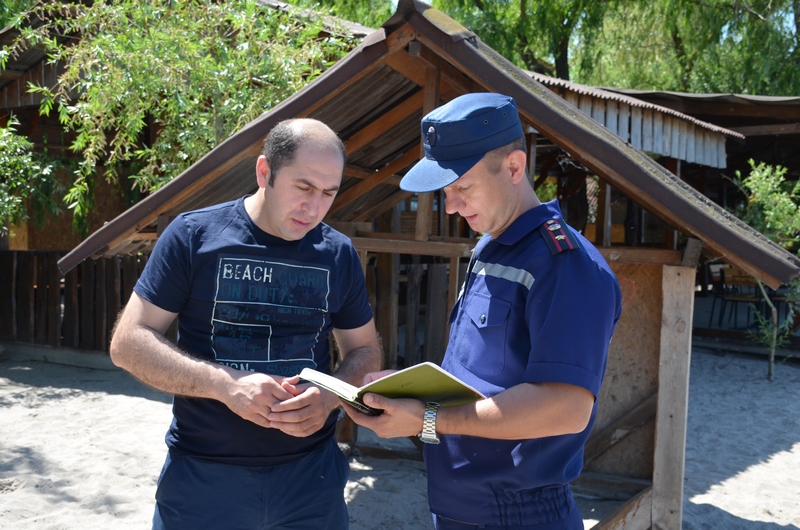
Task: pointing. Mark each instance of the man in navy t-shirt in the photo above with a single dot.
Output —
(257, 285)
(530, 330)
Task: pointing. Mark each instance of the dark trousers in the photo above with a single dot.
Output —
(573, 521)
(307, 494)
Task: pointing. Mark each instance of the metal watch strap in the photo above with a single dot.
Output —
(428, 434)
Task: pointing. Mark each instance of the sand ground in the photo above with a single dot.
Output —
(81, 448)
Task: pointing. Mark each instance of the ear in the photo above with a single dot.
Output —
(262, 171)
(517, 162)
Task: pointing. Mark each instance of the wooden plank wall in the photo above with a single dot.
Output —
(631, 374)
(40, 306)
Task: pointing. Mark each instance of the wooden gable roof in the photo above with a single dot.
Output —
(374, 99)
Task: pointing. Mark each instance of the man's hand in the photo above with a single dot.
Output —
(401, 417)
(253, 395)
(305, 412)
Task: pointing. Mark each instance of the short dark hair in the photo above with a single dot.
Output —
(282, 142)
(495, 157)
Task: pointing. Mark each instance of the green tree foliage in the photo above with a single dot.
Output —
(773, 208)
(150, 87)
(773, 204)
(10, 9)
(534, 34)
(25, 177)
(704, 46)
(370, 13)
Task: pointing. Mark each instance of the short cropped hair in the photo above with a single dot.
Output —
(283, 141)
(494, 158)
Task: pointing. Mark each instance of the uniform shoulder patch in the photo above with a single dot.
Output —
(557, 236)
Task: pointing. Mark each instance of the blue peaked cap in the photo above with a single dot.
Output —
(457, 135)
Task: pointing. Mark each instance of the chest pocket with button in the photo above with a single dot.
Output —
(482, 345)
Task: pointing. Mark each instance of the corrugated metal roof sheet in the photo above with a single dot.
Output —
(623, 97)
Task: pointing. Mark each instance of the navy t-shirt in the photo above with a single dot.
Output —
(254, 302)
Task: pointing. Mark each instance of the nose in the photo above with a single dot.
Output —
(312, 204)
(451, 202)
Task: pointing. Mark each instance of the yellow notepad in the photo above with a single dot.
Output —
(425, 382)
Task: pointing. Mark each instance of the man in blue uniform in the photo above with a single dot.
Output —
(257, 286)
(530, 330)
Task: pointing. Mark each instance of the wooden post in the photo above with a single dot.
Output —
(25, 302)
(129, 277)
(53, 300)
(86, 317)
(8, 262)
(387, 311)
(673, 395)
(40, 299)
(113, 294)
(414, 274)
(70, 325)
(425, 200)
(436, 313)
(453, 287)
(100, 302)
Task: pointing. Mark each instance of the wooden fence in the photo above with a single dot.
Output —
(39, 305)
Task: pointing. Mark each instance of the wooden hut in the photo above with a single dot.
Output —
(374, 99)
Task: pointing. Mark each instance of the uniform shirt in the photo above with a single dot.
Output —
(526, 314)
(254, 302)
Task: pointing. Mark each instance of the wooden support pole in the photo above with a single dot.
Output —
(673, 395)
(8, 289)
(388, 287)
(436, 313)
(425, 200)
(40, 304)
(53, 301)
(414, 274)
(453, 287)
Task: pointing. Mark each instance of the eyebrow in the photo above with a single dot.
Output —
(312, 185)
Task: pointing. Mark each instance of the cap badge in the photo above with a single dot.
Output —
(430, 136)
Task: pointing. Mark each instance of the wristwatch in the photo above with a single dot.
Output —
(428, 434)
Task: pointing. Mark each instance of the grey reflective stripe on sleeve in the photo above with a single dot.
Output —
(511, 274)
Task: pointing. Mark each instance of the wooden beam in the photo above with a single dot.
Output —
(641, 255)
(420, 248)
(634, 515)
(387, 203)
(410, 237)
(10, 74)
(619, 429)
(691, 254)
(606, 486)
(388, 121)
(673, 395)
(397, 40)
(361, 173)
(768, 130)
(379, 177)
(449, 73)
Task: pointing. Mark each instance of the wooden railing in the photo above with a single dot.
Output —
(39, 305)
